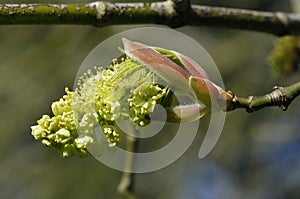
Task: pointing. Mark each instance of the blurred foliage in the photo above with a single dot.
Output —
(284, 58)
(257, 155)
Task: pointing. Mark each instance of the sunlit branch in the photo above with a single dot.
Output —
(280, 96)
(173, 13)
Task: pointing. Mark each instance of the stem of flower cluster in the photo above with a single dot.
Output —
(126, 185)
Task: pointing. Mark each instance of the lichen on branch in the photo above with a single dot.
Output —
(173, 13)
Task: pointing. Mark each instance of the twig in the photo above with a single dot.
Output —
(281, 96)
(173, 13)
(126, 185)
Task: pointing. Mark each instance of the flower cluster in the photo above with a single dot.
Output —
(99, 100)
(143, 102)
(128, 89)
(60, 131)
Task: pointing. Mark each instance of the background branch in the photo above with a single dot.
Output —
(173, 13)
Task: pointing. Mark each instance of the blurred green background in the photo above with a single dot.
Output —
(257, 156)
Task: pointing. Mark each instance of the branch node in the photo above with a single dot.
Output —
(100, 7)
(250, 108)
(283, 18)
(278, 97)
(182, 6)
(181, 15)
(232, 103)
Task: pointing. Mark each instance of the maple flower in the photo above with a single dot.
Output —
(129, 88)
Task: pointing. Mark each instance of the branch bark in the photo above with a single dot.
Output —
(173, 13)
(281, 96)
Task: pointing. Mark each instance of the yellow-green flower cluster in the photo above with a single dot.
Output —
(109, 94)
(143, 102)
(125, 89)
(60, 131)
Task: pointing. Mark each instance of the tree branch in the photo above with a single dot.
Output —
(277, 23)
(281, 96)
(173, 13)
